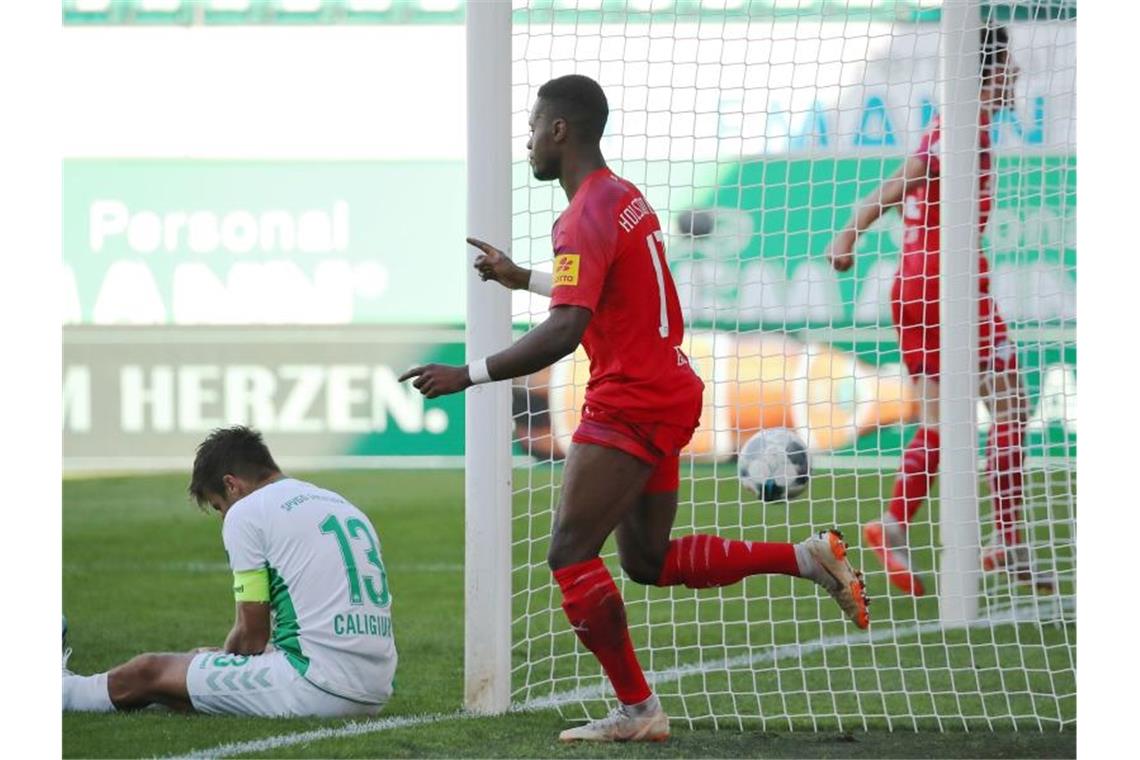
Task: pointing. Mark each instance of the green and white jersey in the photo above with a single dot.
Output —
(328, 589)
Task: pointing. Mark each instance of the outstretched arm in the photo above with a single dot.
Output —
(888, 195)
(559, 335)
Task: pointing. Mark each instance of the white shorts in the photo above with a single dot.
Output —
(264, 685)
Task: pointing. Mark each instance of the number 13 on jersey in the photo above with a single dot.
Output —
(356, 528)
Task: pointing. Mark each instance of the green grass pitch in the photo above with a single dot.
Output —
(144, 571)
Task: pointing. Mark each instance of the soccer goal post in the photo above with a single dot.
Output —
(756, 129)
(487, 487)
(959, 568)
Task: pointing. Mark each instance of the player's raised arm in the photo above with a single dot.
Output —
(840, 252)
(559, 335)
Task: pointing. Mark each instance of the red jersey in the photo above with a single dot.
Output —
(921, 204)
(609, 257)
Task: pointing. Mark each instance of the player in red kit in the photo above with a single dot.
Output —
(915, 312)
(611, 291)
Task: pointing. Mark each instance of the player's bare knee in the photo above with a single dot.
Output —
(571, 543)
(642, 569)
(566, 554)
(132, 682)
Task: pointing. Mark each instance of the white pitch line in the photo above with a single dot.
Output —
(1002, 616)
(318, 734)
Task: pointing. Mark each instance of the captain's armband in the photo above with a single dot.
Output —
(251, 585)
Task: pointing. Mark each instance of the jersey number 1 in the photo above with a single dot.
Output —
(656, 243)
(355, 528)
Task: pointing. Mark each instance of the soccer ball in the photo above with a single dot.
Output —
(774, 465)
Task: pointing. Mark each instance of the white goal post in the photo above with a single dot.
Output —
(959, 577)
(754, 127)
(487, 568)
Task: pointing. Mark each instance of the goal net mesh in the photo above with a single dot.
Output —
(754, 128)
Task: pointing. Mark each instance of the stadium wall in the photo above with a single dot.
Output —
(277, 228)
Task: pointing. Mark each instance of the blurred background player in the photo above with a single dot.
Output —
(611, 291)
(915, 312)
(313, 631)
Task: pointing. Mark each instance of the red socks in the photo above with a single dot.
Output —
(596, 612)
(704, 561)
(1005, 462)
(916, 474)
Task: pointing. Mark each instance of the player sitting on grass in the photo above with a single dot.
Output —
(313, 634)
(611, 291)
(915, 311)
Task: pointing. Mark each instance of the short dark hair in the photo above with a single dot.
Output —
(581, 101)
(236, 450)
(995, 47)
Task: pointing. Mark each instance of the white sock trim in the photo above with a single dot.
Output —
(805, 563)
(87, 694)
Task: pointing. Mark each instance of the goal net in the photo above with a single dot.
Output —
(754, 128)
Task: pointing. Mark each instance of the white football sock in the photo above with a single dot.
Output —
(805, 562)
(87, 694)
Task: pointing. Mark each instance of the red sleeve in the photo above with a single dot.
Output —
(584, 250)
(930, 148)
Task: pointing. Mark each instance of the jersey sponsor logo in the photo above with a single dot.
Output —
(566, 269)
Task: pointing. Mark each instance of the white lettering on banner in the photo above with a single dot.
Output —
(249, 393)
(135, 395)
(273, 292)
(105, 218)
(77, 399)
(358, 398)
(197, 392)
(129, 295)
(401, 400)
(239, 231)
(299, 400)
(341, 396)
(144, 232)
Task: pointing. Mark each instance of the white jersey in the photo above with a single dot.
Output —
(328, 590)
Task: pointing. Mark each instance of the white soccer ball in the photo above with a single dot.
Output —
(774, 465)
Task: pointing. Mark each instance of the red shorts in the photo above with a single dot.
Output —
(915, 311)
(656, 443)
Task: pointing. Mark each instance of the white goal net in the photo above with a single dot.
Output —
(754, 129)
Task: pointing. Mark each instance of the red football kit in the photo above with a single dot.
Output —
(643, 396)
(914, 296)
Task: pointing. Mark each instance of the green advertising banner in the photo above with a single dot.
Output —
(176, 272)
(191, 242)
(750, 253)
(144, 397)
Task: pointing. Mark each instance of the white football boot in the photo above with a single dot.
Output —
(823, 559)
(645, 722)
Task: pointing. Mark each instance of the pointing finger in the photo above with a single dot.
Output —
(413, 372)
(485, 247)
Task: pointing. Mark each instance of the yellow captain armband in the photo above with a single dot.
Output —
(251, 585)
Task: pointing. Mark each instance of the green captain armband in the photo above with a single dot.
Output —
(251, 585)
